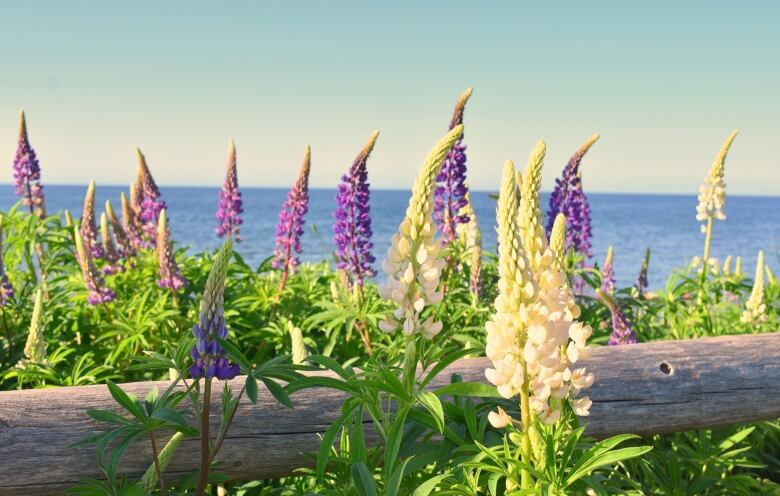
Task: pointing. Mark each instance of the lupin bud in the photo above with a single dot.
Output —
(35, 348)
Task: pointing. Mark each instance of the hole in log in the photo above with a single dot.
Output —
(666, 368)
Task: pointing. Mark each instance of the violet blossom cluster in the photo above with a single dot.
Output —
(289, 228)
(451, 188)
(125, 247)
(608, 274)
(170, 276)
(209, 359)
(352, 228)
(131, 223)
(27, 173)
(88, 228)
(230, 204)
(569, 199)
(6, 289)
(148, 204)
(641, 280)
(98, 291)
(622, 332)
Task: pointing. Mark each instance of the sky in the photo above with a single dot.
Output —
(664, 83)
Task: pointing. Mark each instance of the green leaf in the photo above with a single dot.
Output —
(608, 458)
(394, 484)
(363, 481)
(431, 403)
(426, 487)
(107, 416)
(327, 439)
(475, 389)
(235, 355)
(394, 437)
(126, 401)
(251, 388)
(331, 364)
(278, 392)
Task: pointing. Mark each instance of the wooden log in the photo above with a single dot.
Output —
(658, 387)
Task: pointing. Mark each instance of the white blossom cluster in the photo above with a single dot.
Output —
(532, 339)
(755, 308)
(712, 194)
(412, 266)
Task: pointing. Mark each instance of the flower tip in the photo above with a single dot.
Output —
(22, 124)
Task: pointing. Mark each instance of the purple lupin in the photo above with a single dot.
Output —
(125, 247)
(131, 223)
(150, 205)
(88, 228)
(98, 292)
(608, 274)
(169, 275)
(230, 204)
(352, 227)
(569, 199)
(622, 333)
(289, 229)
(6, 289)
(451, 189)
(27, 173)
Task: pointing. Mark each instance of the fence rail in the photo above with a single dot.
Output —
(659, 387)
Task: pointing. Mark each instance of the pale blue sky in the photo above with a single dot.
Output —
(663, 82)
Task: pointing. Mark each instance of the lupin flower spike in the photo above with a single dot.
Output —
(608, 273)
(35, 348)
(27, 173)
(451, 188)
(289, 229)
(131, 223)
(558, 241)
(755, 308)
(528, 337)
(727, 266)
(412, 267)
(299, 352)
(738, 267)
(568, 198)
(622, 333)
(230, 204)
(470, 237)
(150, 203)
(88, 227)
(98, 292)
(641, 280)
(209, 359)
(110, 253)
(170, 277)
(68, 218)
(352, 227)
(126, 248)
(712, 194)
(6, 290)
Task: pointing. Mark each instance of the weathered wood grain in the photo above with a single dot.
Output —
(648, 388)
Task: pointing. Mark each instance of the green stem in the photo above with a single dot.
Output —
(410, 363)
(204, 440)
(157, 468)
(525, 419)
(707, 241)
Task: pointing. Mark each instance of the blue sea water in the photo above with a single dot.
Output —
(628, 222)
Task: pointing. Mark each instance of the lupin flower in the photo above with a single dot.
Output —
(412, 267)
(299, 352)
(110, 253)
(35, 347)
(727, 266)
(27, 173)
(131, 223)
(622, 333)
(608, 274)
(98, 292)
(230, 204)
(170, 277)
(125, 245)
(532, 338)
(470, 237)
(641, 280)
(755, 308)
(712, 194)
(352, 227)
(150, 203)
(451, 188)
(6, 290)
(738, 267)
(88, 227)
(289, 229)
(68, 218)
(558, 240)
(209, 359)
(568, 198)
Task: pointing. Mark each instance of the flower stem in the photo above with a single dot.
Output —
(707, 241)
(525, 418)
(157, 464)
(204, 440)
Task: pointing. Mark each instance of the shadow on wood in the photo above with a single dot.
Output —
(658, 387)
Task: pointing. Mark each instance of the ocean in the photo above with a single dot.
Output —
(628, 222)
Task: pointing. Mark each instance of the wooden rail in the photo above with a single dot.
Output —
(657, 387)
